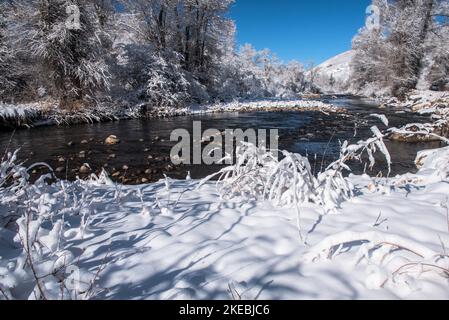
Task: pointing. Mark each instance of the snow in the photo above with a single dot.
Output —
(338, 66)
(19, 112)
(183, 240)
(272, 105)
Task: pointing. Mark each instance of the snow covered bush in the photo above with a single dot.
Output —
(36, 222)
(258, 174)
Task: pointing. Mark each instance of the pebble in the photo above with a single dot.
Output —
(84, 169)
(112, 140)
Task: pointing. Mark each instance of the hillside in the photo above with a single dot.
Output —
(333, 74)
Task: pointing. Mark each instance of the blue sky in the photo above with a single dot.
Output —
(304, 30)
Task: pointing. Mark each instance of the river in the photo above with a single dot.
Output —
(143, 154)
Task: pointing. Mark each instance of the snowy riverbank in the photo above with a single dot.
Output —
(35, 114)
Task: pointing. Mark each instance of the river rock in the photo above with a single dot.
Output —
(61, 159)
(412, 138)
(85, 169)
(144, 180)
(116, 174)
(112, 156)
(84, 142)
(420, 106)
(125, 167)
(112, 140)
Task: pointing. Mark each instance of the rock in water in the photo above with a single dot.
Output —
(112, 140)
(85, 169)
(59, 169)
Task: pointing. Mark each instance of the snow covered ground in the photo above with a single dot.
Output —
(272, 105)
(333, 74)
(420, 101)
(180, 240)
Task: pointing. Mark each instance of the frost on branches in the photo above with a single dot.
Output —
(404, 52)
(34, 219)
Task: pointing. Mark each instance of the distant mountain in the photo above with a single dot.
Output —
(333, 74)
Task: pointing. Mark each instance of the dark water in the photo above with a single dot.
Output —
(145, 147)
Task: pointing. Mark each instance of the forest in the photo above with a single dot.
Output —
(183, 52)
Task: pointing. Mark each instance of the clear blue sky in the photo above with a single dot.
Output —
(304, 30)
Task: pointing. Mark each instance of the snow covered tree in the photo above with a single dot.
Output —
(63, 39)
(292, 79)
(437, 72)
(6, 57)
(186, 40)
(167, 84)
(391, 57)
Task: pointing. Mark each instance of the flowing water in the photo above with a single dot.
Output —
(145, 143)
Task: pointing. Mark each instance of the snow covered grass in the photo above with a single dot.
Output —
(258, 174)
(19, 114)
